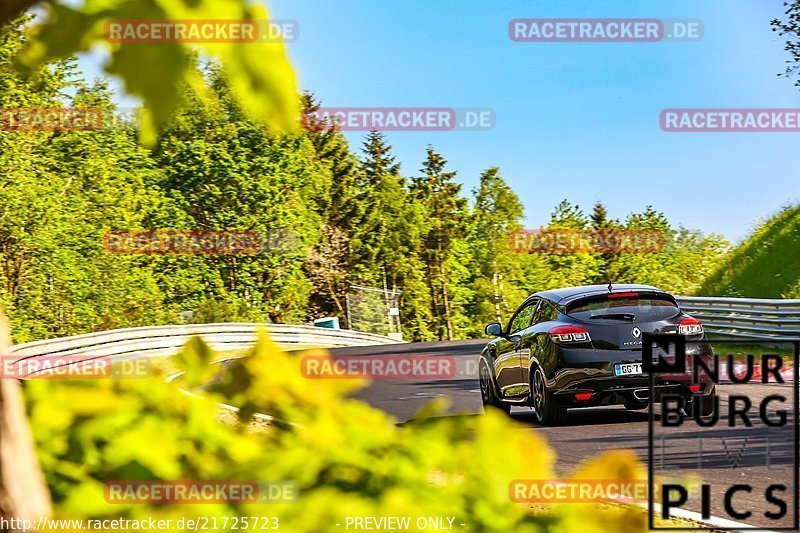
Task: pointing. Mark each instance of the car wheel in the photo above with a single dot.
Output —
(547, 411)
(488, 395)
(706, 404)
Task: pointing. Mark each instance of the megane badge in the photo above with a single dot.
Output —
(636, 332)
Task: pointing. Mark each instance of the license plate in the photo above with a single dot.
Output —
(629, 369)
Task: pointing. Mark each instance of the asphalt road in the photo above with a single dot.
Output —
(721, 455)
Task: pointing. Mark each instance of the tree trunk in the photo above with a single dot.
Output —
(23, 494)
(496, 298)
(506, 307)
(434, 300)
(336, 301)
(448, 320)
(387, 303)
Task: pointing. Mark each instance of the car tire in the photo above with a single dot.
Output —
(488, 391)
(706, 404)
(545, 408)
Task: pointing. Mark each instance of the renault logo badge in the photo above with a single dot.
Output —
(636, 332)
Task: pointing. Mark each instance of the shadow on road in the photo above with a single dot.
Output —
(587, 417)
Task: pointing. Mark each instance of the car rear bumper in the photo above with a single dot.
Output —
(592, 371)
(612, 391)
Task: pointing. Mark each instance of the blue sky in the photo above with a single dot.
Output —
(574, 120)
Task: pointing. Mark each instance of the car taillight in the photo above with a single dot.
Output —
(622, 295)
(690, 326)
(566, 334)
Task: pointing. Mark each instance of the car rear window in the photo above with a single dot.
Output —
(644, 309)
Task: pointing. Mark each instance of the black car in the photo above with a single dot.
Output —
(582, 347)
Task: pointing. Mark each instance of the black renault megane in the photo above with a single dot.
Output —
(582, 347)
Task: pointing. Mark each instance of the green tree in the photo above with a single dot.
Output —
(495, 267)
(226, 172)
(341, 209)
(602, 224)
(571, 266)
(390, 237)
(444, 212)
(568, 216)
(61, 191)
(685, 260)
(342, 212)
(262, 79)
(599, 217)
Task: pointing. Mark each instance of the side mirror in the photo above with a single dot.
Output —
(494, 329)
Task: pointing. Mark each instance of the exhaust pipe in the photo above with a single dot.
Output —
(641, 394)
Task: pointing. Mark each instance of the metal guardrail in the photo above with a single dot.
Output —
(168, 340)
(745, 318)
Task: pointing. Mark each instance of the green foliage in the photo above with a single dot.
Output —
(494, 266)
(687, 257)
(764, 265)
(599, 217)
(570, 268)
(345, 457)
(262, 80)
(333, 256)
(60, 192)
(444, 224)
(225, 172)
(388, 242)
(789, 28)
(568, 216)
(328, 218)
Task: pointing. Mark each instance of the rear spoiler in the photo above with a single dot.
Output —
(602, 296)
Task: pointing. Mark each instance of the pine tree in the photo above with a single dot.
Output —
(389, 238)
(599, 217)
(495, 266)
(444, 215)
(600, 222)
(571, 266)
(378, 160)
(383, 236)
(568, 216)
(342, 212)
